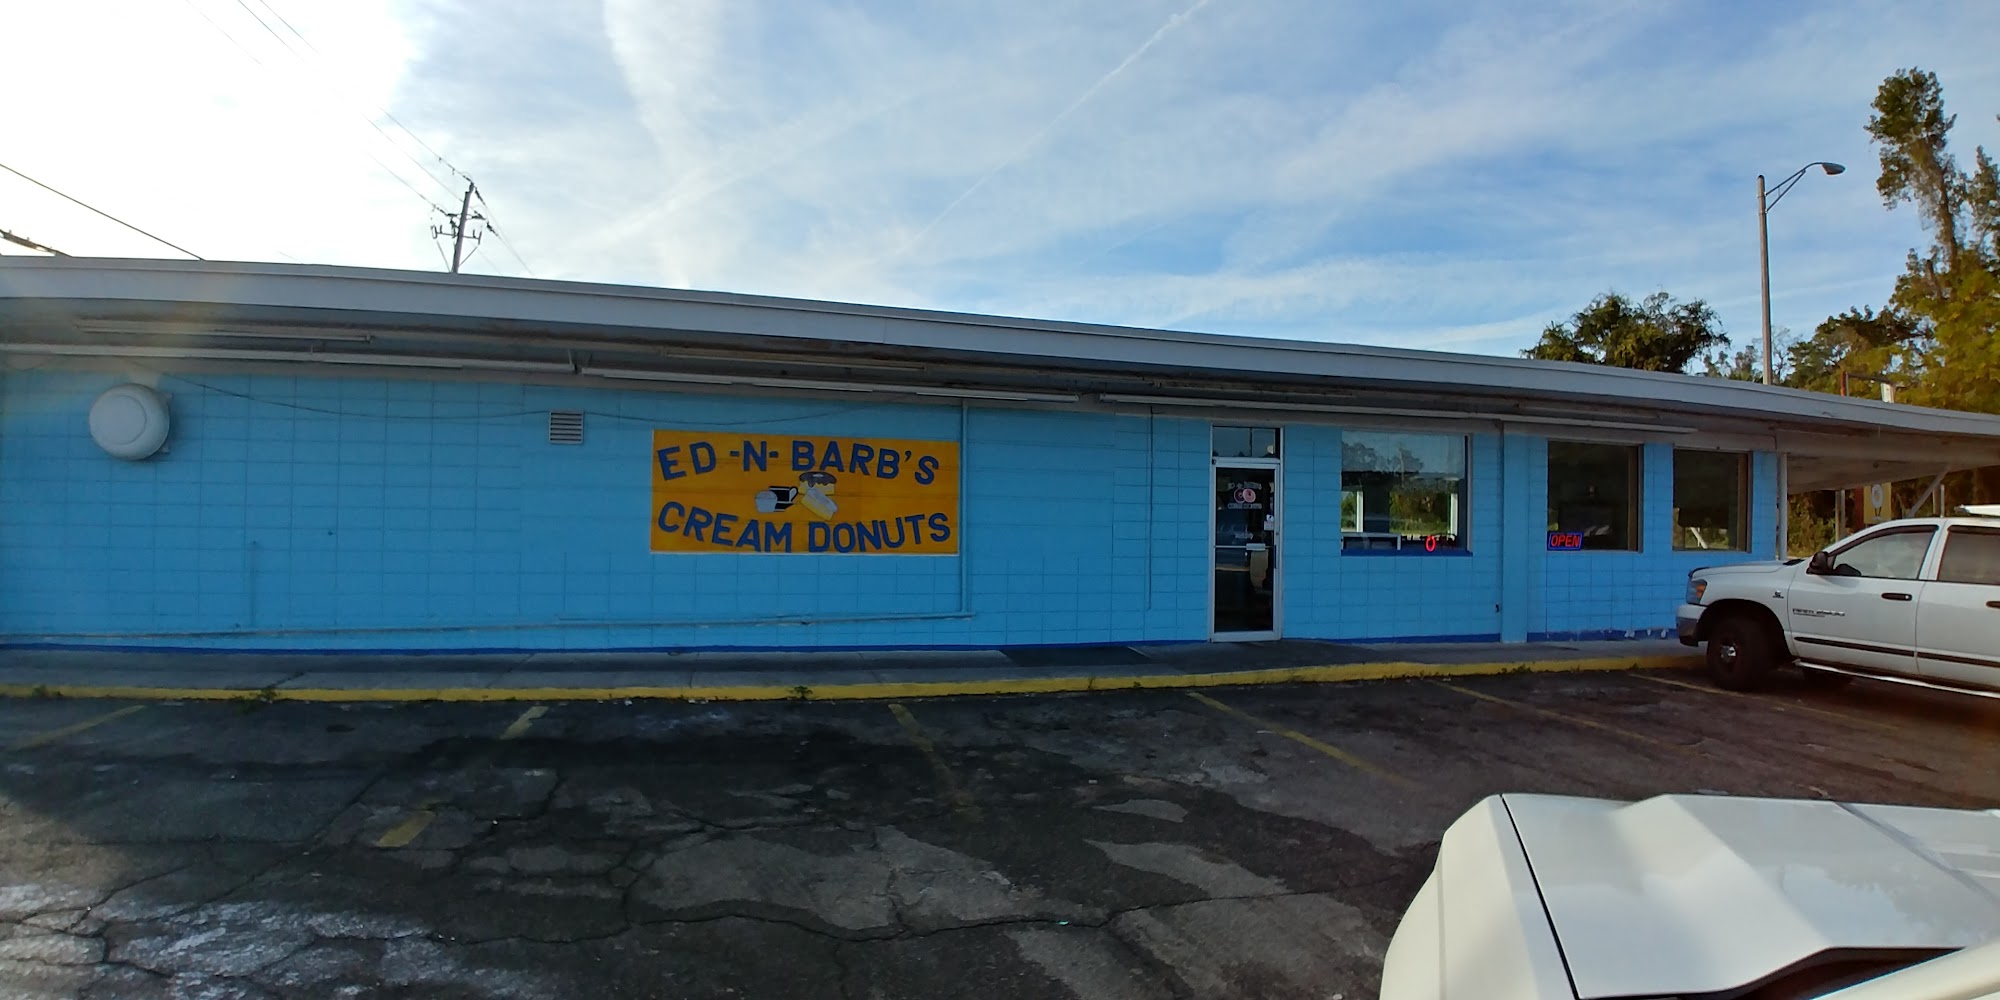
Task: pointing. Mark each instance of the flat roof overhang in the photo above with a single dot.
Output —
(176, 315)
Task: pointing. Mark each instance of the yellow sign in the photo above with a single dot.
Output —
(1875, 504)
(728, 492)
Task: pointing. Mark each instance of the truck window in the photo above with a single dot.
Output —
(1897, 555)
(1971, 555)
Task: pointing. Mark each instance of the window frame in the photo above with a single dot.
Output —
(1277, 444)
(1953, 531)
(1740, 531)
(1408, 545)
(1635, 488)
(1924, 565)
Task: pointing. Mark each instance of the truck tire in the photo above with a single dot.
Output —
(1740, 653)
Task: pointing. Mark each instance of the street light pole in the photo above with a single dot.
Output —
(1764, 265)
(1764, 206)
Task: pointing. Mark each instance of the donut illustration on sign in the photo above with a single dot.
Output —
(815, 492)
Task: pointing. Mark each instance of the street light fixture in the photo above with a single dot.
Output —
(1764, 206)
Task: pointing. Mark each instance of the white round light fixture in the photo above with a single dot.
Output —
(129, 422)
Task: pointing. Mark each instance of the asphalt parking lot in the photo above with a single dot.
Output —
(1256, 842)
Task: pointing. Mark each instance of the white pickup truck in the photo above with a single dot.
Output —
(1916, 601)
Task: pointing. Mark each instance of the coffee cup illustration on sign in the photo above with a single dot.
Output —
(815, 492)
(775, 499)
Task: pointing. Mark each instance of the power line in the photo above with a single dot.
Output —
(372, 123)
(505, 243)
(385, 112)
(461, 221)
(252, 56)
(508, 245)
(101, 212)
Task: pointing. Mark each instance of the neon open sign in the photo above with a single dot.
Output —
(1565, 541)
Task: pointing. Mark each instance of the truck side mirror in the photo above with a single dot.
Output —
(1821, 563)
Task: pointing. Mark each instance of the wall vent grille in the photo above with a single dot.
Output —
(565, 427)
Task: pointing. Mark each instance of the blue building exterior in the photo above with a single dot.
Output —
(361, 460)
(322, 511)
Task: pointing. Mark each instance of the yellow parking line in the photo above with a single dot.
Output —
(44, 739)
(1604, 727)
(402, 833)
(520, 726)
(1297, 737)
(961, 803)
(1786, 705)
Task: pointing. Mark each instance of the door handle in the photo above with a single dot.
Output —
(1895, 596)
(1995, 605)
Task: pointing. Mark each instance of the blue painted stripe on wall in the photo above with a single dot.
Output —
(668, 650)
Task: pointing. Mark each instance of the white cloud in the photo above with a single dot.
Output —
(1446, 174)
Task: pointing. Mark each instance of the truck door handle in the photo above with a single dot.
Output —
(1895, 596)
(1995, 605)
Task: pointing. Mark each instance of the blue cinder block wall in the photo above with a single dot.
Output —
(1594, 595)
(317, 513)
(336, 513)
(1335, 594)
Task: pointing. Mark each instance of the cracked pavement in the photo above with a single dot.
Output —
(1127, 845)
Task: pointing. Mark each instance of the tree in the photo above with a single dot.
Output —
(1654, 334)
(1910, 125)
(1858, 341)
(1742, 365)
(1952, 290)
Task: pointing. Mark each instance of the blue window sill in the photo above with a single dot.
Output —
(1410, 553)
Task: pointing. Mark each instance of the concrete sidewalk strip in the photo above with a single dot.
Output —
(389, 680)
(780, 677)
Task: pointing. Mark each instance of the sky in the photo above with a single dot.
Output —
(1450, 175)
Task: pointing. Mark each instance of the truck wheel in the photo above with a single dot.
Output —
(1739, 653)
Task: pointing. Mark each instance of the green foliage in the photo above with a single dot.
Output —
(1951, 290)
(1961, 369)
(1810, 527)
(1742, 365)
(1859, 341)
(1910, 126)
(1653, 334)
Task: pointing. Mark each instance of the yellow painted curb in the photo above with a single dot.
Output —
(1324, 674)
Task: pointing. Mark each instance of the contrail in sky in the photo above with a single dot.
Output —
(1041, 133)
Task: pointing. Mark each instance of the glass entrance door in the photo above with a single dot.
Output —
(1246, 551)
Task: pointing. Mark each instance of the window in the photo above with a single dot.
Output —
(1896, 555)
(1246, 442)
(1971, 555)
(1402, 492)
(1594, 492)
(1709, 499)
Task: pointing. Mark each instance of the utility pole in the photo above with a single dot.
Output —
(1764, 269)
(1764, 206)
(460, 224)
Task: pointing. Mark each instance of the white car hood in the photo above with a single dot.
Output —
(1742, 567)
(1703, 894)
